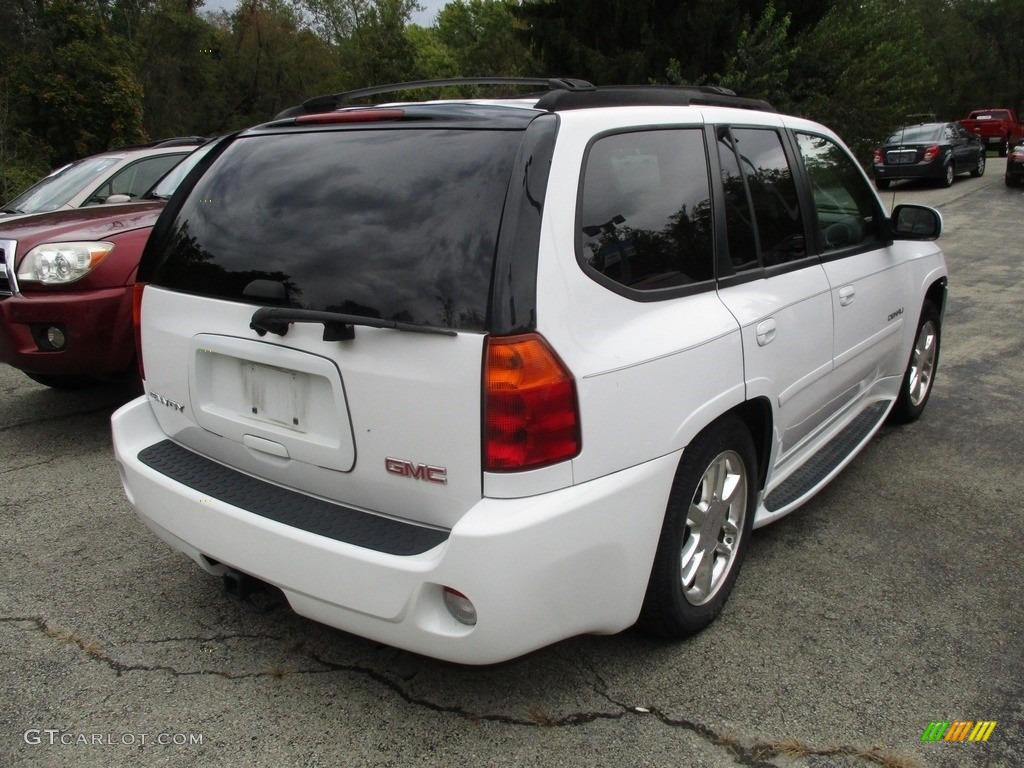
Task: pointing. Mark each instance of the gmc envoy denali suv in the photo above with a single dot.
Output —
(468, 377)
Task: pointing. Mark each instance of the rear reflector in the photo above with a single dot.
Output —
(137, 324)
(352, 116)
(460, 607)
(531, 416)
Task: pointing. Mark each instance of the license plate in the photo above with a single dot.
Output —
(275, 395)
(902, 157)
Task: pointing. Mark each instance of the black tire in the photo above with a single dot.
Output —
(882, 183)
(979, 167)
(1004, 147)
(66, 382)
(948, 174)
(671, 609)
(919, 377)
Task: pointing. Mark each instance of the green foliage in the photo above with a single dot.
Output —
(860, 71)
(76, 84)
(760, 64)
(268, 61)
(81, 76)
(432, 59)
(378, 50)
(22, 159)
(177, 58)
(483, 37)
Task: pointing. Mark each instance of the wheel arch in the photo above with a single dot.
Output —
(936, 294)
(756, 416)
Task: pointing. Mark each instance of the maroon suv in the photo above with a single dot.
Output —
(66, 281)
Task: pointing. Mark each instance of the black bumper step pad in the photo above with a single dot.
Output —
(352, 526)
(827, 459)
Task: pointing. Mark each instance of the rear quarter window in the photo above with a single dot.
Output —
(645, 222)
(394, 224)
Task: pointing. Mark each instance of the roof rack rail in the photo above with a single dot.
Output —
(332, 101)
(182, 141)
(175, 141)
(649, 95)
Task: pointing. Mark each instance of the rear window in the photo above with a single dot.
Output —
(916, 133)
(395, 224)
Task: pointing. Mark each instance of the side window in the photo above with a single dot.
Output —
(848, 214)
(136, 179)
(739, 218)
(771, 190)
(644, 220)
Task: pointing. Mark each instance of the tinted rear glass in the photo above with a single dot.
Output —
(395, 224)
(914, 133)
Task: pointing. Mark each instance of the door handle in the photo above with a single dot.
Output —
(765, 332)
(846, 295)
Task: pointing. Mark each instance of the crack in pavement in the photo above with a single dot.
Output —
(33, 464)
(109, 409)
(750, 755)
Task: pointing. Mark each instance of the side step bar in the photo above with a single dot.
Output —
(825, 461)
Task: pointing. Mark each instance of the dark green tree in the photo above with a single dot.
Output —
(483, 36)
(179, 56)
(860, 71)
(269, 60)
(620, 41)
(378, 50)
(996, 68)
(75, 83)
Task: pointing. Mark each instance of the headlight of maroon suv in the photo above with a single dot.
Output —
(62, 263)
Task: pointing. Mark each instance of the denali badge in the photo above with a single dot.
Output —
(169, 403)
(405, 468)
(895, 314)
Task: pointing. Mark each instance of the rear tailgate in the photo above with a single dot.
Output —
(378, 422)
(378, 224)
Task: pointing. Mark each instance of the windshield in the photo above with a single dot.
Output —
(915, 133)
(58, 188)
(164, 188)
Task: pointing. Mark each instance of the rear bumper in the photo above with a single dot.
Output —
(538, 569)
(97, 326)
(931, 170)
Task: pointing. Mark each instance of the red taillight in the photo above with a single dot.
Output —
(931, 153)
(879, 159)
(137, 323)
(531, 417)
(1017, 156)
(352, 116)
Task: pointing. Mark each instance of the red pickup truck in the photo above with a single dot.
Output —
(997, 127)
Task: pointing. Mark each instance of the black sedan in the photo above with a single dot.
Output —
(936, 151)
(1015, 167)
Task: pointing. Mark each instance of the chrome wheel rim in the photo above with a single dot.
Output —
(981, 164)
(949, 174)
(922, 363)
(714, 524)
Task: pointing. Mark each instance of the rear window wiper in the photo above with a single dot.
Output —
(337, 326)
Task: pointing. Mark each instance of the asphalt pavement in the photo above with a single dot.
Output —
(891, 601)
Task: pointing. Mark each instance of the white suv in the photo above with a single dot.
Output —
(470, 377)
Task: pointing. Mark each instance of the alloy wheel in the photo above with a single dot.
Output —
(713, 527)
